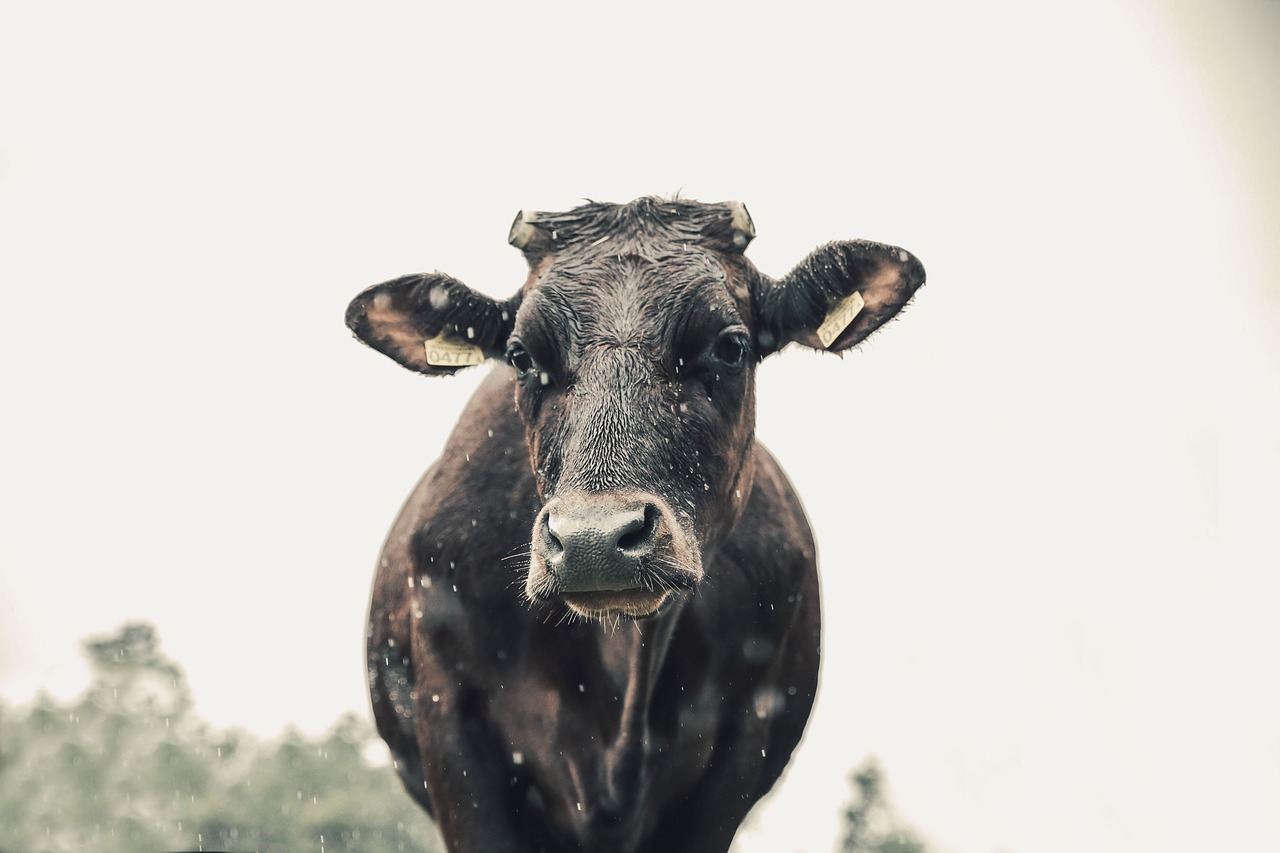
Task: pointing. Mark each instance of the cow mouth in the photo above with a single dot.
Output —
(628, 603)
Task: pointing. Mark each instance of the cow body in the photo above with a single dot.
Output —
(595, 625)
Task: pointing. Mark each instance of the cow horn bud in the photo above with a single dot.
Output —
(744, 230)
(523, 231)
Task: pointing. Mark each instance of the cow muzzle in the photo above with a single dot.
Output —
(610, 554)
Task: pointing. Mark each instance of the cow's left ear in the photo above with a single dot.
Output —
(433, 324)
(837, 296)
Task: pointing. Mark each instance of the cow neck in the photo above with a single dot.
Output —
(634, 658)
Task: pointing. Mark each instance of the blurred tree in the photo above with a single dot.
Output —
(871, 825)
(128, 767)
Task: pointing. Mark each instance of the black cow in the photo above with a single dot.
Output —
(595, 625)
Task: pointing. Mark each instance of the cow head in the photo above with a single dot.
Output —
(634, 343)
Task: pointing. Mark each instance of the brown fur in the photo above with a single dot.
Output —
(595, 625)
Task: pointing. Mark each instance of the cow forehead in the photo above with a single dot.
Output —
(646, 225)
(620, 297)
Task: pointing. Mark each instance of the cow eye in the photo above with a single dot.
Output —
(519, 358)
(730, 350)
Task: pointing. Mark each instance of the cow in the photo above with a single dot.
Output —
(595, 624)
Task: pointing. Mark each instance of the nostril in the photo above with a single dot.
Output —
(552, 542)
(637, 534)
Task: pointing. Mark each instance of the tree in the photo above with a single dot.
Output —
(127, 766)
(871, 824)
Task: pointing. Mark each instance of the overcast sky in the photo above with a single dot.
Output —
(1046, 499)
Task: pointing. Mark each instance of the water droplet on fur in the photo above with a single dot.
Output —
(438, 296)
(769, 702)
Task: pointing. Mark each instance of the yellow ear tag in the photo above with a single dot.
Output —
(839, 317)
(446, 351)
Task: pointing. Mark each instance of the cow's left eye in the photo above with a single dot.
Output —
(519, 358)
(731, 350)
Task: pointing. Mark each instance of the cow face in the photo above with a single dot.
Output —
(634, 342)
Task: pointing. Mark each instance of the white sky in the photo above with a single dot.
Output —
(1046, 500)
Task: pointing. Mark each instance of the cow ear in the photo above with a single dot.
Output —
(837, 296)
(432, 323)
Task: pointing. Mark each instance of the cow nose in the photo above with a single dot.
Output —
(598, 545)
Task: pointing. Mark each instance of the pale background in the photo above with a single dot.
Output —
(1046, 499)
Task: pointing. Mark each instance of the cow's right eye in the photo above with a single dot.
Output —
(518, 357)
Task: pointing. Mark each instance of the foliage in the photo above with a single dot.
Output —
(127, 766)
(871, 825)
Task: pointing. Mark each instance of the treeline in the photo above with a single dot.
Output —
(128, 767)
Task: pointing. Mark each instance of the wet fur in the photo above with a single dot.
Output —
(519, 723)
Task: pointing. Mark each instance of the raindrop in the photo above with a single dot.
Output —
(582, 688)
(544, 378)
(517, 757)
(490, 433)
(758, 649)
(471, 332)
(435, 697)
(438, 296)
(769, 702)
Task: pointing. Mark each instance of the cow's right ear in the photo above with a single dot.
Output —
(433, 324)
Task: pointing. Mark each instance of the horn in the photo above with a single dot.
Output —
(744, 230)
(523, 231)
